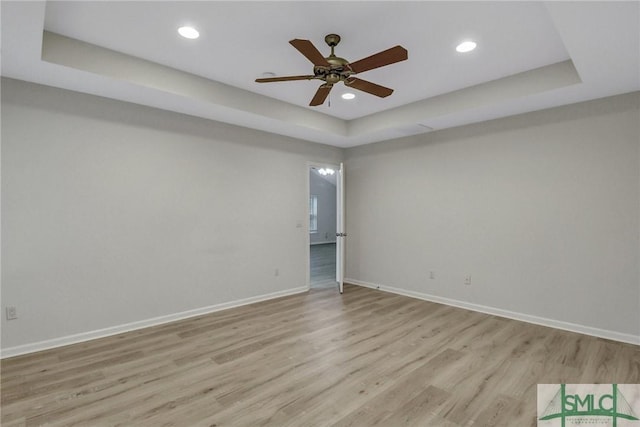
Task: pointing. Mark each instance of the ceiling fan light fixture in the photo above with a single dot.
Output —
(348, 95)
(466, 46)
(188, 32)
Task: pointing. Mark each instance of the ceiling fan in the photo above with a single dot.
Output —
(334, 69)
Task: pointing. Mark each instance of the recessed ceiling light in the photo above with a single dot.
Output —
(188, 32)
(467, 46)
(348, 95)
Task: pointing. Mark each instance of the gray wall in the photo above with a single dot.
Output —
(541, 210)
(115, 213)
(326, 192)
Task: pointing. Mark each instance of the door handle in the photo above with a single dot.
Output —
(341, 234)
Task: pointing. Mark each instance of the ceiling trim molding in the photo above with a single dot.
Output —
(68, 52)
(406, 120)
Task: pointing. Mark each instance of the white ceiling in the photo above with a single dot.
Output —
(530, 55)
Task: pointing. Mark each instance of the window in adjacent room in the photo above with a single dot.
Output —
(313, 214)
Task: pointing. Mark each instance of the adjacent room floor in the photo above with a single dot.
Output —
(323, 265)
(313, 359)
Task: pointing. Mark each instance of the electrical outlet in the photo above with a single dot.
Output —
(11, 313)
(467, 280)
(276, 272)
(432, 275)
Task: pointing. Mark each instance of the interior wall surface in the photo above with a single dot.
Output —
(538, 212)
(115, 213)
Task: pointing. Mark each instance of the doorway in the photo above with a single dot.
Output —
(323, 180)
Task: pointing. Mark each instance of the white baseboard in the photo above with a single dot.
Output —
(113, 330)
(321, 243)
(557, 324)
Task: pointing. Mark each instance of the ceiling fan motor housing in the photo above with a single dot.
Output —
(338, 70)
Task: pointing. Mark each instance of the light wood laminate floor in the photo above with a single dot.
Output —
(364, 358)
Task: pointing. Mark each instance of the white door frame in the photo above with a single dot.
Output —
(341, 233)
(317, 165)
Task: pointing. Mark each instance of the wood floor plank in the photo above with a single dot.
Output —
(363, 358)
(419, 410)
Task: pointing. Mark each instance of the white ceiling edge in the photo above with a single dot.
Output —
(517, 86)
(400, 121)
(606, 61)
(95, 60)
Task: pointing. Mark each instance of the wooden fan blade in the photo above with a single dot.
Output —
(368, 87)
(380, 59)
(284, 79)
(321, 95)
(307, 48)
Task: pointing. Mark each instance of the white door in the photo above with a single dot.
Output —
(340, 228)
